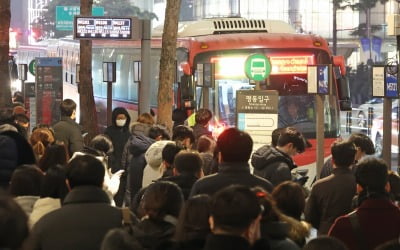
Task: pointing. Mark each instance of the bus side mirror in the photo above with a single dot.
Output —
(344, 94)
(339, 62)
(187, 92)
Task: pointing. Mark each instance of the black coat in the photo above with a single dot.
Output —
(14, 151)
(229, 174)
(272, 164)
(81, 223)
(135, 163)
(184, 181)
(152, 233)
(119, 136)
(224, 241)
(69, 132)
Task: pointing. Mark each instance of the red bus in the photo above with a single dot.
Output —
(226, 43)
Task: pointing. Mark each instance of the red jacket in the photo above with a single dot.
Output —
(379, 221)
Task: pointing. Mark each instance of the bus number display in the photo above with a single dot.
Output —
(119, 28)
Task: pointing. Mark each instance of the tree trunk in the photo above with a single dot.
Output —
(167, 63)
(87, 105)
(5, 86)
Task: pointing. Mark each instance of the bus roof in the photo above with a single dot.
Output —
(226, 26)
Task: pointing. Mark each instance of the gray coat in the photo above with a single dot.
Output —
(69, 132)
(330, 198)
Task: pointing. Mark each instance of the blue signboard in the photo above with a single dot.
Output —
(48, 61)
(391, 90)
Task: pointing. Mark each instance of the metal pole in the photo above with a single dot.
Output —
(370, 117)
(206, 97)
(387, 129)
(109, 103)
(320, 133)
(144, 85)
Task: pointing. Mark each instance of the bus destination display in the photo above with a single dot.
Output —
(103, 28)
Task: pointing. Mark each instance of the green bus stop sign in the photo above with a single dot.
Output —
(32, 67)
(257, 67)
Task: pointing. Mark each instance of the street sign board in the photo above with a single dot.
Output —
(117, 28)
(65, 16)
(257, 67)
(257, 114)
(49, 89)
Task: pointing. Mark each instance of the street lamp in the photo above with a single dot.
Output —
(22, 75)
(109, 76)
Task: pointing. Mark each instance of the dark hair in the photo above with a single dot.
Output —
(372, 175)
(53, 184)
(119, 239)
(26, 180)
(234, 208)
(203, 116)
(6, 115)
(21, 118)
(169, 151)
(162, 198)
(85, 170)
(291, 135)
(178, 116)
(67, 107)
(343, 153)
(193, 219)
(54, 154)
(325, 243)
(275, 136)
(394, 181)
(102, 143)
(205, 143)
(188, 162)
(363, 142)
(290, 198)
(235, 145)
(158, 130)
(14, 228)
(18, 97)
(182, 132)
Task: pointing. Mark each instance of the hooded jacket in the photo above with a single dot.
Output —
(136, 147)
(119, 136)
(153, 157)
(272, 164)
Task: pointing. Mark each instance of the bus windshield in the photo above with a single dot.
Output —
(288, 76)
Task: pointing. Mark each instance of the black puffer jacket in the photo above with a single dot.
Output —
(119, 136)
(14, 151)
(272, 164)
(151, 233)
(135, 148)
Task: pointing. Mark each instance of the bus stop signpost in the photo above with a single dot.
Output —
(257, 114)
(319, 78)
(257, 68)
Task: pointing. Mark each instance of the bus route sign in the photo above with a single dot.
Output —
(257, 67)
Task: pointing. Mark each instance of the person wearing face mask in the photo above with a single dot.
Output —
(67, 130)
(119, 134)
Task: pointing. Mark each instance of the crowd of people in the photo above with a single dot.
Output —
(138, 187)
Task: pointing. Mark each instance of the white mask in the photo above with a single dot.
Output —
(120, 123)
